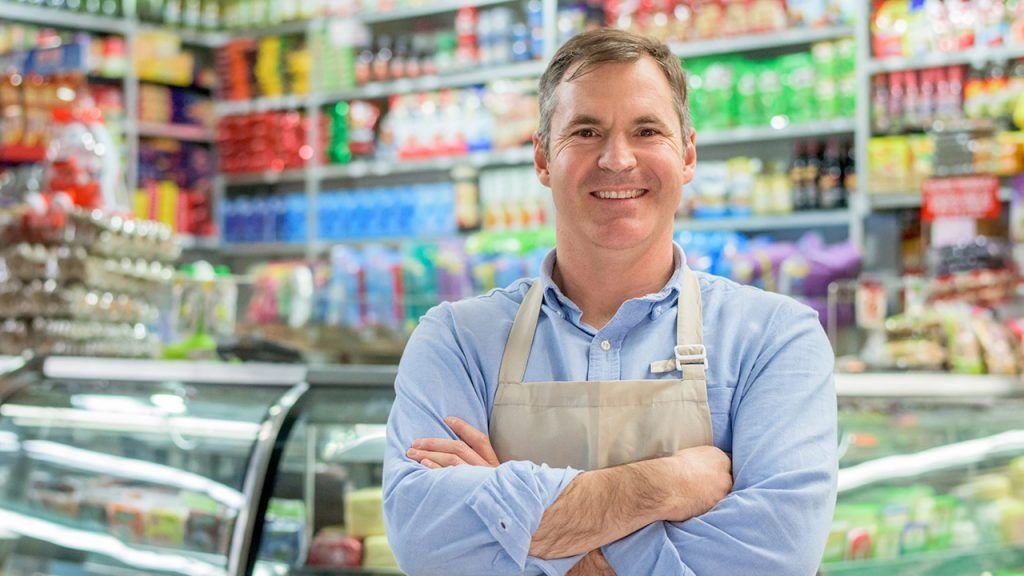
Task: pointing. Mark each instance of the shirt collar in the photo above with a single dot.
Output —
(554, 298)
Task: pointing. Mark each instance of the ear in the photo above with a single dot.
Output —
(690, 157)
(540, 161)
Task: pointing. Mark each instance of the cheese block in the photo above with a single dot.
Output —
(364, 513)
(377, 553)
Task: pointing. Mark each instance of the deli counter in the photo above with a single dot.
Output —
(147, 467)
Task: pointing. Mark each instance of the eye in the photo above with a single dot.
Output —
(646, 132)
(586, 133)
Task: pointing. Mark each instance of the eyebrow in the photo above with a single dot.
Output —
(588, 120)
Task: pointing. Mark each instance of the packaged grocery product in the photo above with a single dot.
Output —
(888, 22)
(206, 530)
(165, 525)
(332, 547)
(377, 553)
(1015, 470)
(364, 514)
(283, 531)
(126, 521)
(1012, 521)
(1000, 354)
(888, 164)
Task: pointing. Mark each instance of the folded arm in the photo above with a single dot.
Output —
(777, 517)
(513, 518)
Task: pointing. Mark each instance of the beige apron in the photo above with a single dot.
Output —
(596, 424)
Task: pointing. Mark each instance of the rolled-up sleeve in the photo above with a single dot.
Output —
(464, 519)
(777, 517)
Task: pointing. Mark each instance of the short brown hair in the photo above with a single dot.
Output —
(603, 46)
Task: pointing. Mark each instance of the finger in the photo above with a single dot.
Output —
(442, 458)
(430, 463)
(454, 447)
(476, 439)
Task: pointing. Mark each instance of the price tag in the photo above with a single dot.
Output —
(871, 306)
(960, 197)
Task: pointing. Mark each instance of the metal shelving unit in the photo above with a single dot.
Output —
(878, 202)
(760, 42)
(362, 168)
(28, 14)
(430, 9)
(979, 55)
(267, 177)
(794, 221)
(454, 79)
(767, 133)
(182, 132)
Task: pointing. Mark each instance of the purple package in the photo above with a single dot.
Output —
(838, 262)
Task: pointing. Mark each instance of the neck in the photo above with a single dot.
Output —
(600, 280)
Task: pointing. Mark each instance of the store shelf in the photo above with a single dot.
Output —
(767, 133)
(953, 456)
(758, 42)
(198, 38)
(199, 243)
(796, 220)
(266, 104)
(979, 55)
(927, 385)
(429, 9)
(283, 29)
(268, 177)
(532, 69)
(982, 559)
(363, 168)
(263, 249)
(140, 557)
(22, 154)
(879, 202)
(183, 132)
(16, 12)
(10, 364)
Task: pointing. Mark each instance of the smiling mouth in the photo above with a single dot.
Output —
(619, 194)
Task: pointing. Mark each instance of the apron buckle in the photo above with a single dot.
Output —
(689, 354)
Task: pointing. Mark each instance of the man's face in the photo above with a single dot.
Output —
(617, 165)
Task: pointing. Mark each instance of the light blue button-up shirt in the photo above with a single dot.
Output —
(773, 407)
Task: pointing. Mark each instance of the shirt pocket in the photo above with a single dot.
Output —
(720, 406)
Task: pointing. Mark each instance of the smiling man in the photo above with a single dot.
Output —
(619, 414)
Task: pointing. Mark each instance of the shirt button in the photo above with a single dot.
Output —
(606, 345)
(657, 310)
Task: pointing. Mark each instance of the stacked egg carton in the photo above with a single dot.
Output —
(81, 283)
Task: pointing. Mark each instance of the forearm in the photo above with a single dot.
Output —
(468, 519)
(600, 507)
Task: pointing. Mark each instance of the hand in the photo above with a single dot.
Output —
(593, 564)
(705, 476)
(473, 448)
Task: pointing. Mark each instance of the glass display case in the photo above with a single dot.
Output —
(931, 477)
(136, 467)
(114, 467)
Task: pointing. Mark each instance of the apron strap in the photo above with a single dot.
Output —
(691, 357)
(520, 339)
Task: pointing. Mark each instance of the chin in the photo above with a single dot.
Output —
(622, 236)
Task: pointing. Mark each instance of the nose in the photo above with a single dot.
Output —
(617, 155)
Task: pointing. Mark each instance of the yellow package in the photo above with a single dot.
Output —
(364, 513)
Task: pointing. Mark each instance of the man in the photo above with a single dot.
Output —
(583, 422)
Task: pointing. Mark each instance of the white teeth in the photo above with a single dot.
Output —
(619, 194)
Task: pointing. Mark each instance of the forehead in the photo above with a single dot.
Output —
(638, 87)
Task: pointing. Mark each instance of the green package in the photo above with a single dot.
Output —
(798, 82)
(769, 92)
(748, 110)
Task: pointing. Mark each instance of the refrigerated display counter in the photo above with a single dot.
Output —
(128, 467)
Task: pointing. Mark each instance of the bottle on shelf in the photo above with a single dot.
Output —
(831, 184)
(797, 171)
(811, 176)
